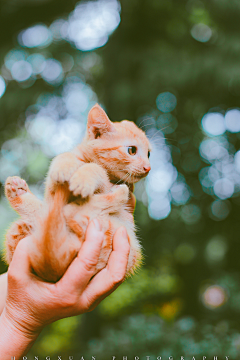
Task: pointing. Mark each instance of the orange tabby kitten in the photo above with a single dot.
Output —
(80, 187)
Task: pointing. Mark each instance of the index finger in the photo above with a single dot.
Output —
(20, 267)
(83, 266)
(108, 279)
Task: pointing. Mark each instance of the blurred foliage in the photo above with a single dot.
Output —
(173, 68)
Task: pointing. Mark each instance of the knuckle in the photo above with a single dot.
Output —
(118, 277)
(89, 265)
(13, 276)
(69, 301)
(88, 302)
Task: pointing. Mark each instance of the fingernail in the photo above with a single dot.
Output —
(97, 224)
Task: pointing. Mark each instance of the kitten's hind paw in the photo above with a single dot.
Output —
(14, 187)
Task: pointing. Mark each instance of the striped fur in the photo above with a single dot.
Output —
(80, 187)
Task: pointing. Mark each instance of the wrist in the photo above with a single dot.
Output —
(19, 324)
(15, 340)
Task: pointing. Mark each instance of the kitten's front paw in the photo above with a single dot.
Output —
(80, 185)
(14, 187)
(63, 174)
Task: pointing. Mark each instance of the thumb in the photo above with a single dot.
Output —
(20, 265)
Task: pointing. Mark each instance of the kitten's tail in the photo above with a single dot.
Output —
(51, 252)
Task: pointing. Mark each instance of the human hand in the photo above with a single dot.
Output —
(32, 303)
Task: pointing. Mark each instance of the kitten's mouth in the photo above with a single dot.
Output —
(139, 177)
(129, 179)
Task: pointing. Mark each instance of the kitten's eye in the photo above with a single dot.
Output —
(148, 154)
(132, 150)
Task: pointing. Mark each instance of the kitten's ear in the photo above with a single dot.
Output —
(98, 123)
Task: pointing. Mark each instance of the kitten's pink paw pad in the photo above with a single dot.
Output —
(15, 186)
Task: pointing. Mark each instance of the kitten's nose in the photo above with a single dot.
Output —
(147, 168)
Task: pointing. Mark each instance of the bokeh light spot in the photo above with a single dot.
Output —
(21, 70)
(223, 188)
(237, 160)
(35, 36)
(159, 210)
(160, 180)
(213, 149)
(180, 193)
(167, 123)
(2, 86)
(214, 297)
(213, 124)
(186, 324)
(37, 62)
(166, 102)
(171, 309)
(14, 56)
(76, 100)
(57, 29)
(201, 32)
(216, 249)
(190, 214)
(184, 253)
(220, 210)
(52, 71)
(91, 23)
(232, 120)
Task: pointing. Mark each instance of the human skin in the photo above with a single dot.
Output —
(3, 277)
(3, 291)
(31, 303)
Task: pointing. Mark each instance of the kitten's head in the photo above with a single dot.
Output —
(120, 147)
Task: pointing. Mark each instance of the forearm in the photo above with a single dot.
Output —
(3, 291)
(13, 342)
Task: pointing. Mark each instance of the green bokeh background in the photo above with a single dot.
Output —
(160, 311)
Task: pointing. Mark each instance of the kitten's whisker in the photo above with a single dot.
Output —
(163, 138)
(117, 168)
(131, 177)
(146, 119)
(164, 127)
(167, 139)
(145, 125)
(161, 141)
(156, 133)
(157, 141)
(127, 178)
(123, 179)
(142, 121)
